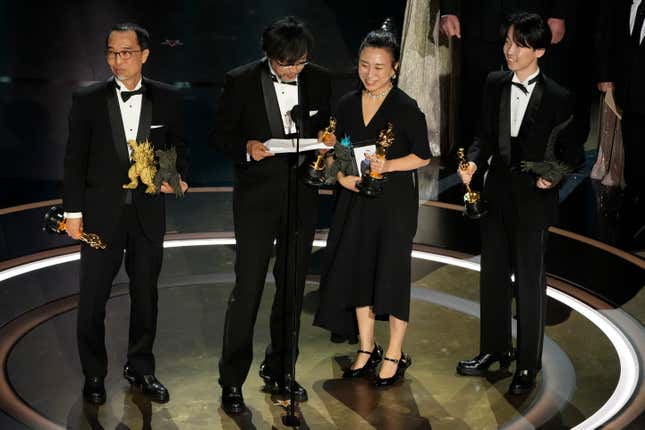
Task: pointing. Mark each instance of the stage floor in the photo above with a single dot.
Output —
(582, 363)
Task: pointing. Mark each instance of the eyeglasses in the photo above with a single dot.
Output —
(125, 55)
(290, 65)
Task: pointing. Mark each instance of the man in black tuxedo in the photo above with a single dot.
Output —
(521, 108)
(621, 65)
(255, 106)
(103, 118)
(477, 24)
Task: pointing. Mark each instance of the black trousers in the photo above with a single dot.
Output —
(98, 268)
(509, 247)
(260, 218)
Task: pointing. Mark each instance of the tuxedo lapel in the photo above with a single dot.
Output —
(504, 126)
(532, 110)
(116, 124)
(303, 100)
(271, 106)
(145, 117)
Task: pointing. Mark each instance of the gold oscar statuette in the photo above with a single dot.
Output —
(315, 174)
(372, 184)
(474, 206)
(55, 222)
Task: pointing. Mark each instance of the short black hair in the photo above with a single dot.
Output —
(385, 37)
(143, 37)
(530, 30)
(288, 39)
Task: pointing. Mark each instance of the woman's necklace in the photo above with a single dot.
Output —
(379, 95)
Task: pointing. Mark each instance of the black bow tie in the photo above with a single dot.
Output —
(125, 95)
(522, 87)
(274, 78)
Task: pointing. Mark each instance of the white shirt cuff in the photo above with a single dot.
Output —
(71, 215)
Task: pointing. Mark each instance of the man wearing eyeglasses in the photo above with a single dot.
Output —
(255, 106)
(103, 118)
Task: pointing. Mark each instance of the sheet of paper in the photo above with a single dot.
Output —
(360, 157)
(283, 146)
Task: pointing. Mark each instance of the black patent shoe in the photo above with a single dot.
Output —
(402, 364)
(232, 400)
(148, 385)
(376, 355)
(94, 390)
(523, 381)
(479, 365)
(276, 385)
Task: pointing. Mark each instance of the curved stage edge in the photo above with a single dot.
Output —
(623, 406)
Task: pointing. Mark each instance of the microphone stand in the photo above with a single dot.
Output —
(291, 420)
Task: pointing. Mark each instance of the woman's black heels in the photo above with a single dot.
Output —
(401, 365)
(376, 355)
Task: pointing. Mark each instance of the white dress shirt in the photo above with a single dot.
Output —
(520, 101)
(632, 19)
(287, 98)
(130, 113)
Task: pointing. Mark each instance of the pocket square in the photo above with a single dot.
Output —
(156, 126)
(312, 112)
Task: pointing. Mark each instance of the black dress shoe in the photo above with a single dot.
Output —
(94, 390)
(523, 381)
(147, 385)
(479, 365)
(376, 355)
(277, 385)
(402, 364)
(232, 400)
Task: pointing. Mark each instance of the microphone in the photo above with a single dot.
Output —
(299, 113)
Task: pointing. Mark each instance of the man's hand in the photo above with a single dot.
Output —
(450, 26)
(557, 29)
(543, 183)
(605, 86)
(467, 173)
(166, 188)
(329, 140)
(349, 181)
(74, 227)
(257, 150)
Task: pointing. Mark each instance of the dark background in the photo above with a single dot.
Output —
(50, 48)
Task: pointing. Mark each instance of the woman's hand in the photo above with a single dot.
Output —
(378, 164)
(348, 181)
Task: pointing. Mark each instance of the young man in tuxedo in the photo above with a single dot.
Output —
(255, 106)
(621, 65)
(521, 108)
(477, 24)
(103, 118)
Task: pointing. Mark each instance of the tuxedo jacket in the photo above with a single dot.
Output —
(97, 161)
(248, 110)
(619, 60)
(481, 19)
(549, 106)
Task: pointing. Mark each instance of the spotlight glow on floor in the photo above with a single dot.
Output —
(629, 365)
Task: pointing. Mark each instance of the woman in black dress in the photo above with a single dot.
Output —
(366, 274)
